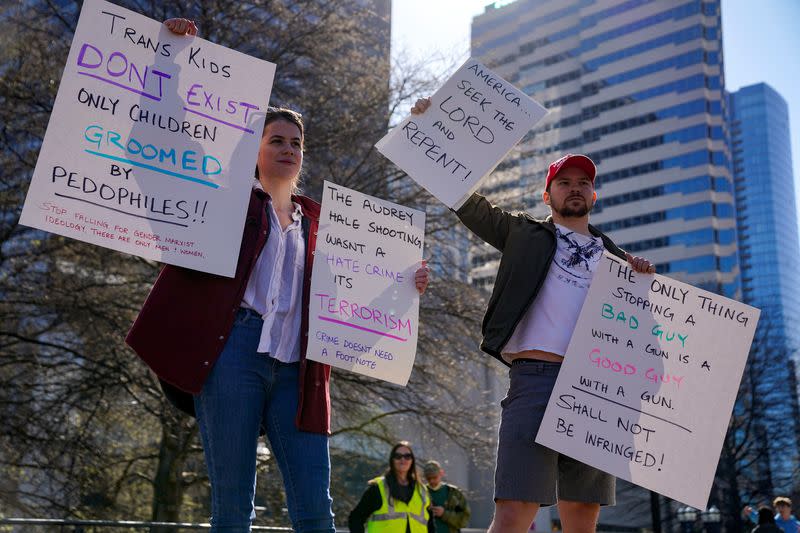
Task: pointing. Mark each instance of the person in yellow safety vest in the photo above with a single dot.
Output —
(395, 502)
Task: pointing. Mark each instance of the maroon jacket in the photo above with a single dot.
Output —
(186, 319)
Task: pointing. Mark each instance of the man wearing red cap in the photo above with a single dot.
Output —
(544, 276)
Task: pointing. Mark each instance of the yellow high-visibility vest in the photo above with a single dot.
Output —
(393, 514)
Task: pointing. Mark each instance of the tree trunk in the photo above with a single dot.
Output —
(732, 510)
(168, 487)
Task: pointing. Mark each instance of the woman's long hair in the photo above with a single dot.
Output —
(412, 472)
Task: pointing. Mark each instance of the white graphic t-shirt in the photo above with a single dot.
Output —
(548, 323)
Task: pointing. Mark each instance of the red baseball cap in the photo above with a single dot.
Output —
(571, 160)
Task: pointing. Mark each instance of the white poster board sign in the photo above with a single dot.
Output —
(649, 380)
(364, 310)
(152, 142)
(474, 120)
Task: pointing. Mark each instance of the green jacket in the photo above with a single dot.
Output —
(456, 509)
(528, 246)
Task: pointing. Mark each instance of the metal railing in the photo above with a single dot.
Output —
(91, 526)
(86, 526)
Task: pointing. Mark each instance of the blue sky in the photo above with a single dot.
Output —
(760, 40)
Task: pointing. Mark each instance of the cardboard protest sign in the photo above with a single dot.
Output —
(475, 119)
(364, 310)
(152, 142)
(649, 380)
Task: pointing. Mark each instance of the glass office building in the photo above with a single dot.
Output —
(638, 86)
(766, 209)
(769, 255)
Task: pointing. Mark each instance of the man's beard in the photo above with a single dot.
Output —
(577, 212)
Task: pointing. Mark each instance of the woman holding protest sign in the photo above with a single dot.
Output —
(237, 345)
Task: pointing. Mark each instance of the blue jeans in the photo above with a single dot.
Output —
(245, 391)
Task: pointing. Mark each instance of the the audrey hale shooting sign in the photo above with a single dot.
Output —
(649, 380)
(364, 306)
(475, 119)
(152, 142)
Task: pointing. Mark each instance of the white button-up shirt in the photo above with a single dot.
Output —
(275, 287)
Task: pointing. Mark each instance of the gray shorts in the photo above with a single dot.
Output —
(527, 471)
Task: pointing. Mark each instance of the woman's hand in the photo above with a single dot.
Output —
(421, 277)
(421, 106)
(181, 26)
